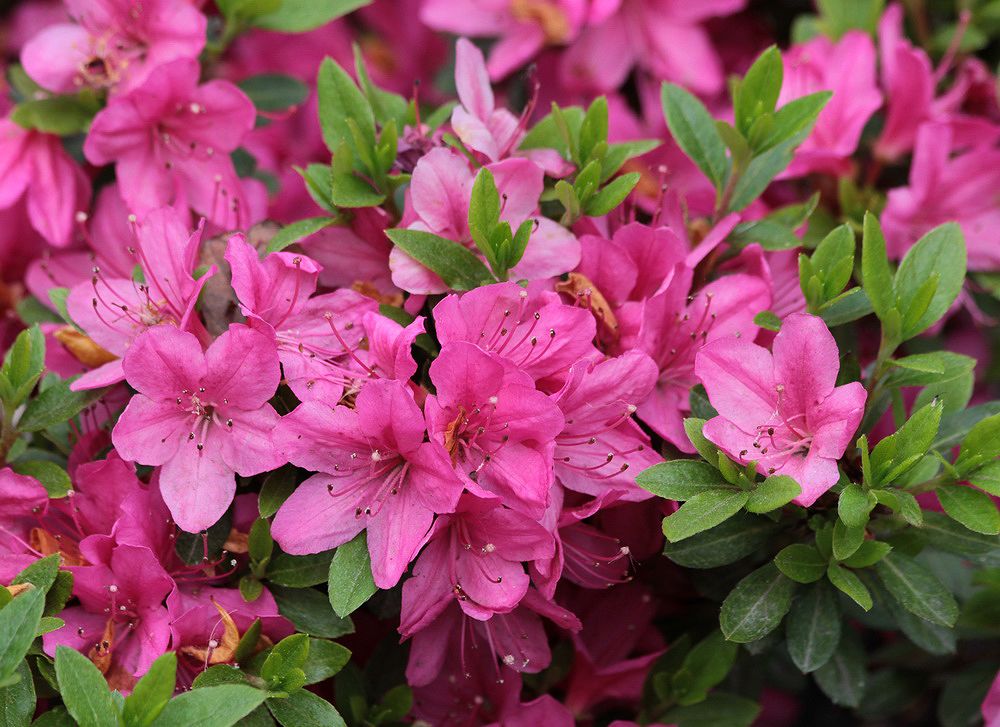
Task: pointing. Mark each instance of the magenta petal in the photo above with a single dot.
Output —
(150, 431)
(395, 535)
(806, 361)
(197, 485)
(164, 361)
(311, 520)
(242, 368)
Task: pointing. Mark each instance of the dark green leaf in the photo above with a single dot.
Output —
(843, 677)
(849, 584)
(325, 659)
(812, 629)
(721, 708)
(152, 692)
(310, 612)
(299, 571)
(274, 91)
(83, 690)
(971, 507)
(694, 131)
(726, 543)
(456, 265)
(350, 582)
(755, 607)
(800, 562)
(305, 709)
(54, 405)
(219, 706)
(917, 589)
(17, 700)
(680, 479)
(18, 625)
(703, 511)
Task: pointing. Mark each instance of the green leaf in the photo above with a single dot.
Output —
(812, 629)
(987, 478)
(704, 666)
(945, 534)
(611, 195)
(800, 562)
(726, 543)
(758, 92)
(218, 706)
(981, 445)
(282, 668)
(310, 612)
(54, 405)
(762, 169)
(703, 511)
(620, 152)
(23, 364)
(59, 115)
(875, 272)
(846, 307)
(680, 479)
(350, 582)
(84, 690)
(274, 91)
(721, 708)
(868, 553)
(290, 234)
(319, 181)
(849, 584)
(840, 16)
(955, 427)
(917, 589)
(843, 677)
(300, 16)
(484, 216)
(340, 103)
(17, 700)
(940, 252)
(457, 266)
(854, 506)
(299, 571)
(755, 607)
(973, 508)
(152, 692)
(846, 540)
(774, 492)
(325, 659)
(693, 427)
(277, 487)
(18, 624)
(693, 128)
(54, 478)
(305, 709)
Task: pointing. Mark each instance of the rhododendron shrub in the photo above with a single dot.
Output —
(507, 362)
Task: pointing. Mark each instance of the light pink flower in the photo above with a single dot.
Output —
(438, 202)
(946, 188)
(114, 310)
(114, 45)
(170, 138)
(201, 415)
(783, 409)
(847, 68)
(35, 166)
(497, 428)
(376, 473)
(121, 619)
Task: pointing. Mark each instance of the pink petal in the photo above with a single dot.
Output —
(242, 368)
(164, 361)
(311, 520)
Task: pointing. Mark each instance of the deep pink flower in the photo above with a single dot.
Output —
(783, 409)
(497, 428)
(121, 622)
(357, 252)
(113, 44)
(664, 37)
(535, 331)
(601, 448)
(439, 195)
(35, 166)
(847, 68)
(945, 188)
(524, 27)
(22, 500)
(202, 415)
(376, 473)
(673, 327)
(474, 557)
(170, 138)
(991, 704)
(114, 310)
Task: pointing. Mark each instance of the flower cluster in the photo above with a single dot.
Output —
(361, 373)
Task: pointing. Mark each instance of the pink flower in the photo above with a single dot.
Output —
(497, 428)
(534, 331)
(113, 44)
(35, 166)
(847, 68)
(991, 704)
(439, 195)
(22, 499)
(664, 37)
(673, 327)
(783, 410)
(113, 310)
(170, 138)
(945, 188)
(354, 252)
(202, 415)
(601, 447)
(319, 338)
(477, 122)
(524, 27)
(121, 623)
(376, 473)
(475, 558)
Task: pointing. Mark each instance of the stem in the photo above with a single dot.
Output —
(8, 434)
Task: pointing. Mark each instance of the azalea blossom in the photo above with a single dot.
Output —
(783, 410)
(201, 415)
